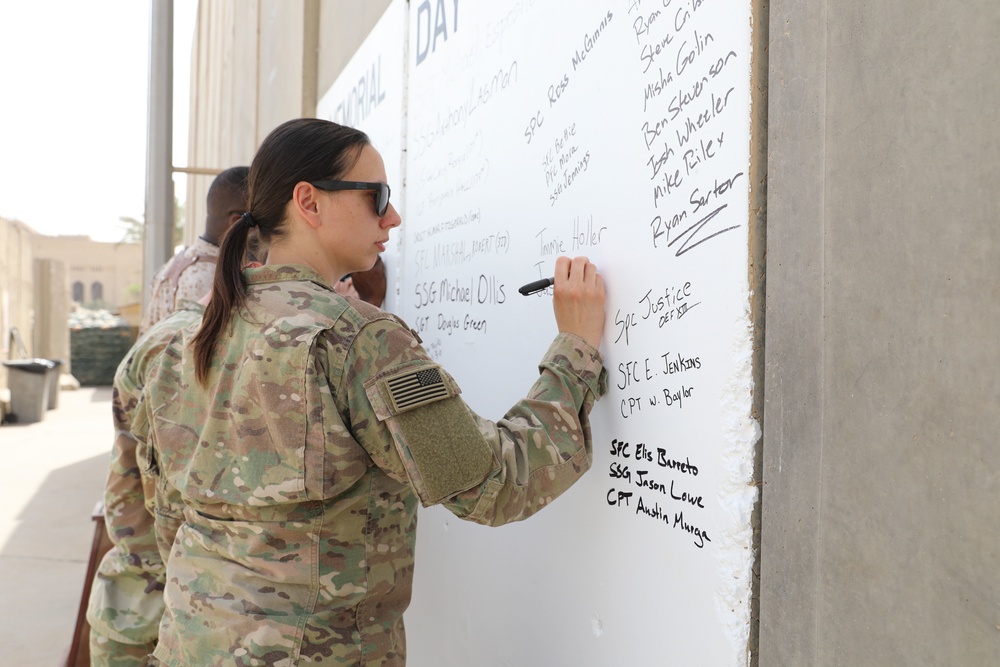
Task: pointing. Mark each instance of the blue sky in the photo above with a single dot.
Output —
(73, 95)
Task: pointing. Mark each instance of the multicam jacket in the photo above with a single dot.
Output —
(301, 462)
(126, 598)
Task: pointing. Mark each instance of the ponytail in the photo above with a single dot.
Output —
(229, 292)
(302, 149)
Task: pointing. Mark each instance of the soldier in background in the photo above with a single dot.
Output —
(365, 285)
(188, 274)
(126, 597)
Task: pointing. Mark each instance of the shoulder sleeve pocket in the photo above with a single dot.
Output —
(434, 432)
(415, 386)
(145, 456)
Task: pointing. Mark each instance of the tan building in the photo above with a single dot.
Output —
(16, 285)
(34, 302)
(41, 277)
(106, 275)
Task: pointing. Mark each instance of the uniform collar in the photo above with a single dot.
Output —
(187, 304)
(203, 247)
(275, 273)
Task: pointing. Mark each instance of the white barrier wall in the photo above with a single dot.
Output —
(618, 130)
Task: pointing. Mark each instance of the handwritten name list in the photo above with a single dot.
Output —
(656, 486)
(619, 130)
(689, 79)
(512, 131)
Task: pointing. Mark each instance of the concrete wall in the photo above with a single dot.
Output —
(34, 298)
(881, 526)
(284, 89)
(344, 25)
(256, 64)
(16, 285)
(52, 307)
(225, 88)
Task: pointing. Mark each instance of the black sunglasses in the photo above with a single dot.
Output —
(381, 202)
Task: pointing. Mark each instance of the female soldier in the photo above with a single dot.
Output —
(326, 422)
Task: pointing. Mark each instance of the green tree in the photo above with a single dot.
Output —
(134, 229)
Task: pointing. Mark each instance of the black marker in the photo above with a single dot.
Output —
(537, 286)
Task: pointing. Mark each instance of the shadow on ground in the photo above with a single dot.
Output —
(44, 562)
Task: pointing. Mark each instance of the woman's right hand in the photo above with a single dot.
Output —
(578, 300)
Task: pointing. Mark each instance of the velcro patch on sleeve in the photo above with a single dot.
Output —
(440, 444)
(414, 388)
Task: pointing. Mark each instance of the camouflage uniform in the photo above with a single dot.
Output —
(301, 464)
(188, 275)
(126, 599)
(109, 653)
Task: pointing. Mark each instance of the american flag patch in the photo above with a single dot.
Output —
(416, 388)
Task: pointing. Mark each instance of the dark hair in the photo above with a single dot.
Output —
(304, 149)
(226, 194)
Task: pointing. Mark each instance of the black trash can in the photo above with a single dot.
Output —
(28, 380)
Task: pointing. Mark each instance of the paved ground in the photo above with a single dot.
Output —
(51, 475)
